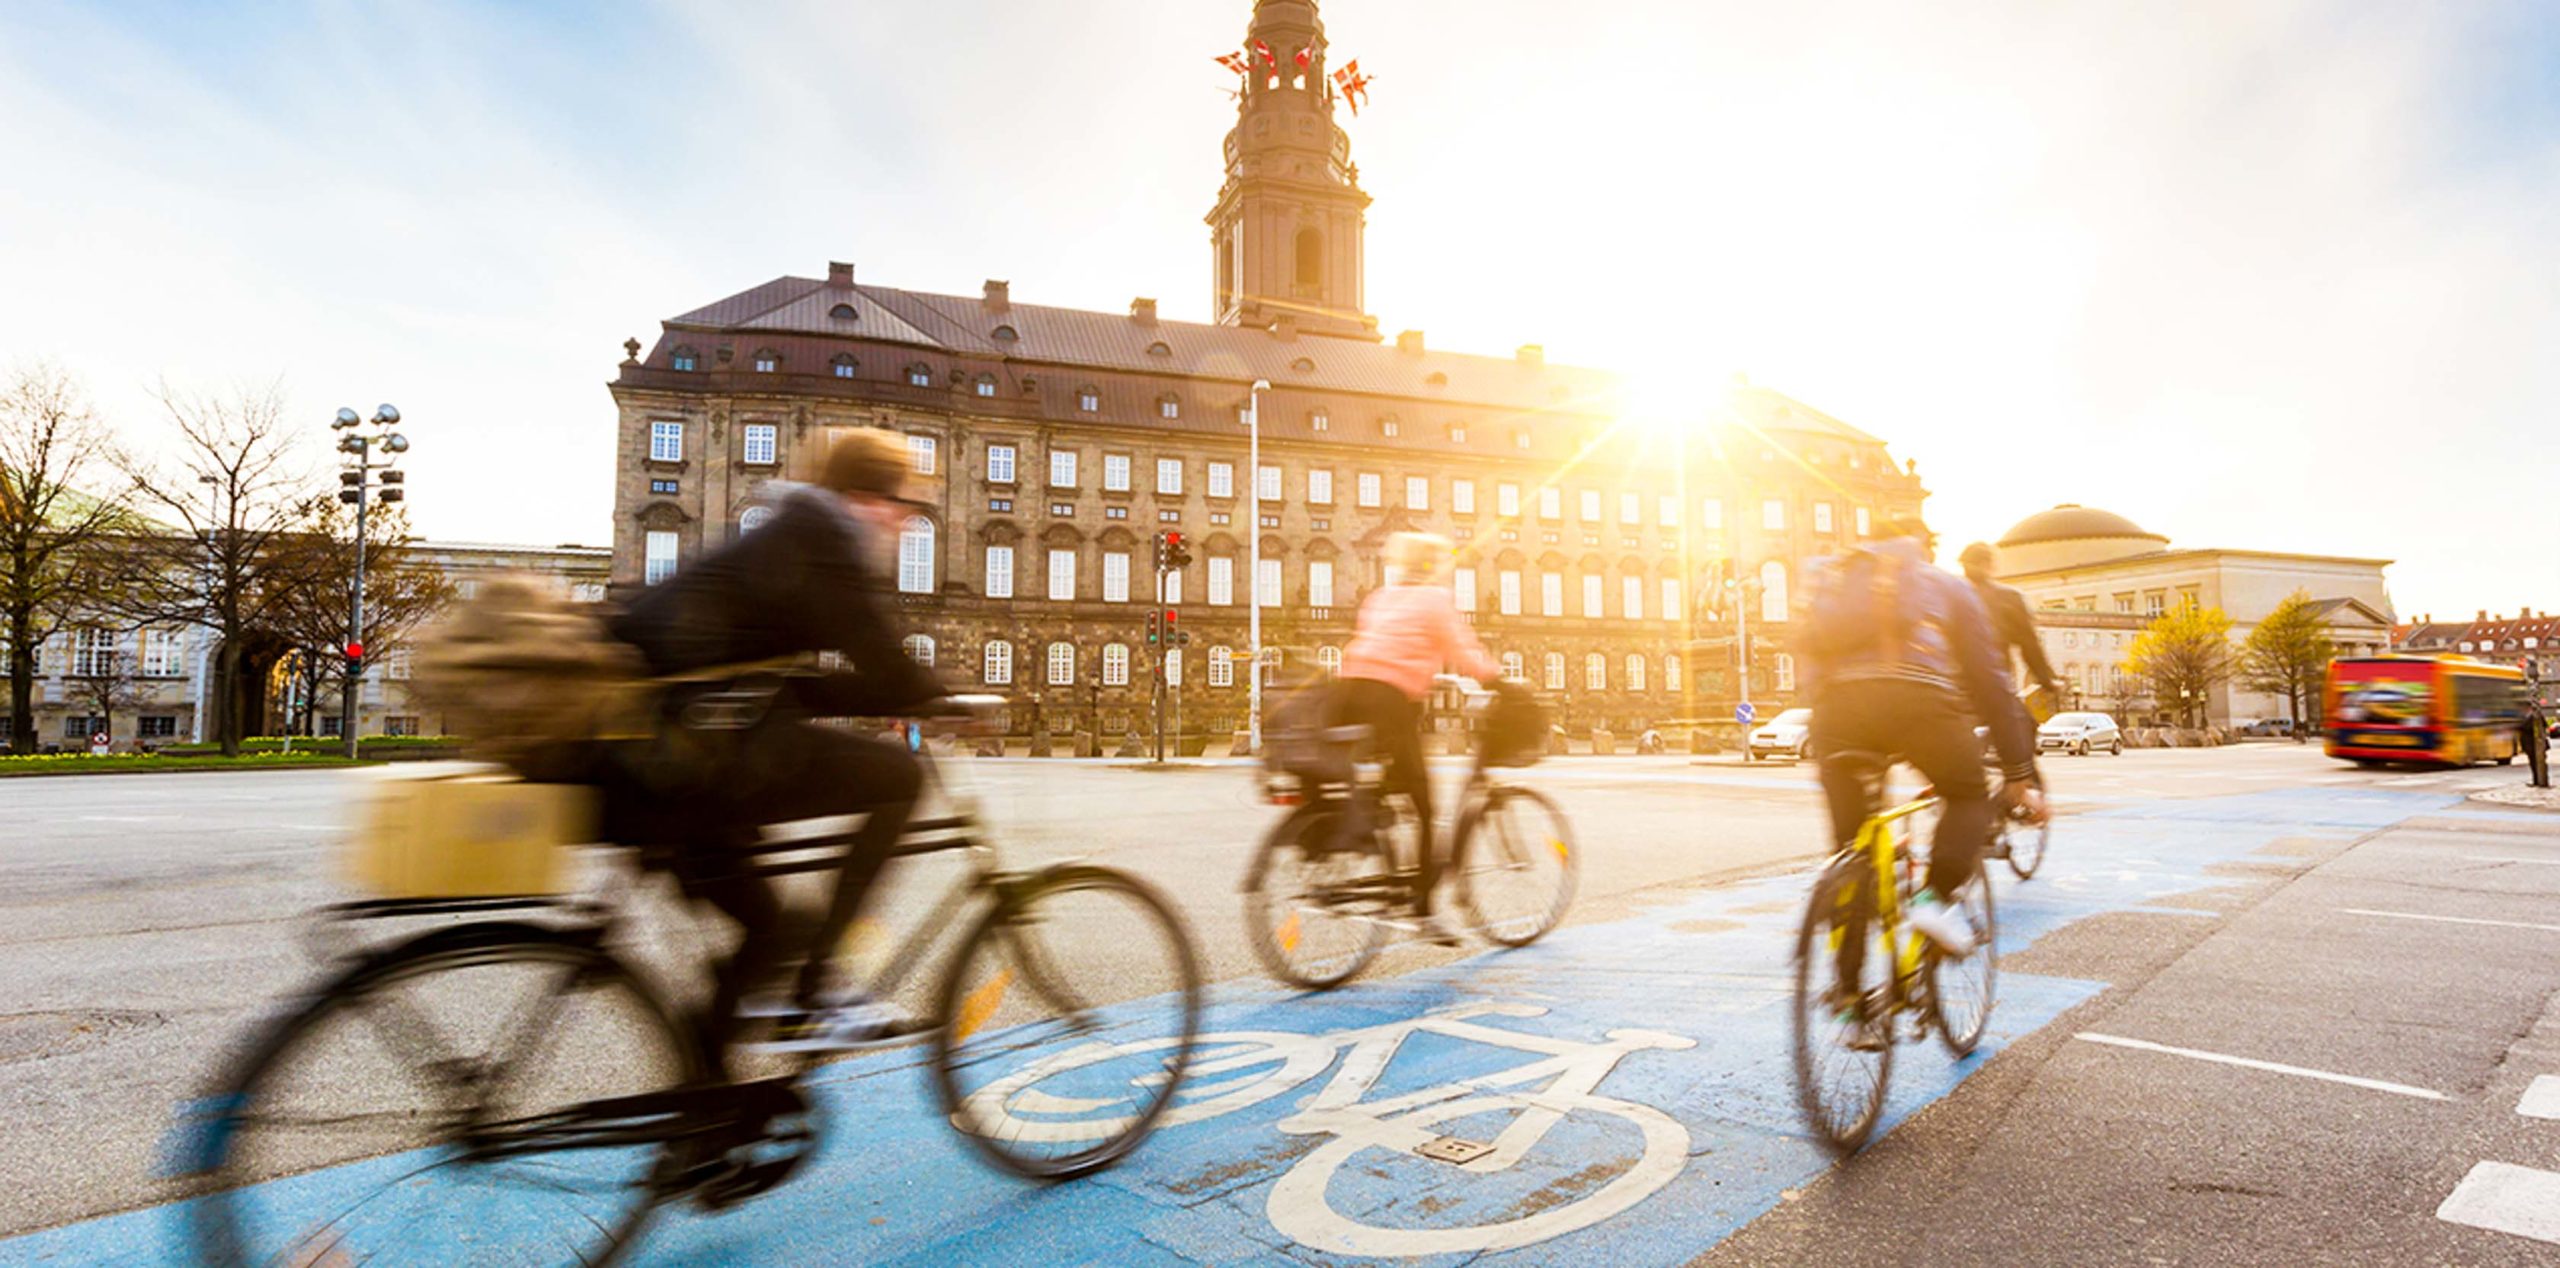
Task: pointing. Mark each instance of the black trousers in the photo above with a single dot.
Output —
(1926, 726)
(1395, 728)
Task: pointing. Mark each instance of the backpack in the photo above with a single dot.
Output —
(1873, 608)
(532, 680)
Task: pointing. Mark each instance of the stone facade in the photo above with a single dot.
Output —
(2529, 640)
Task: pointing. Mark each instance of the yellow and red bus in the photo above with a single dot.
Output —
(2442, 710)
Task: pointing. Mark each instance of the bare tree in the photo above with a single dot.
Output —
(51, 528)
(400, 592)
(110, 687)
(233, 495)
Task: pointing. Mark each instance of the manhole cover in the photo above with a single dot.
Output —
(1450, 1149)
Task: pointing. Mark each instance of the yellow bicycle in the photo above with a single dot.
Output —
(1865, 980)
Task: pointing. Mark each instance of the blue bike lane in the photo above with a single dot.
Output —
(1638, 1070)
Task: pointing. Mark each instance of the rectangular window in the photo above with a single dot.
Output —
(666, 442)
(1866, 526)
(1506, 499)
(1462, 497)
(93, 653)
(1115, 665)
(1115, 576)
(1630, 508)
(661, 557)
(1667, 509)
(1551, 503)
(1551, 593)
(1590, 506)
(1222, 479)
(1320, 583)
(1222, 668)
(1115, 473)
(757, 444)
(999, 572)
(924, 453)
(1222, 580)
(1266, 484)
(1173, 666)
(1062, 468)
(1088, 401)
(1062, 664)
(1062, 574)
(1822, 517)
(1169, 476)
(1593, 587)
(163, 653)
(162, 727)
(1417, 493)
(398, 666)
(1370, 489)
(2124, 603)
(1632, 594)
(1169, 407)
(662, 486)
(1509, 581)
(1670, 608)
(1595, 672)
(1711, 515)
(1320, 488)
(1773, 514)
(1170, 587)
(999, 464)
(1464, 579)
(1270, 583)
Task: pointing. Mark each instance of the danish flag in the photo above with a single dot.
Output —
(1354, 85)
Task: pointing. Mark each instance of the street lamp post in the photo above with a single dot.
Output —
(1253, 577)
(358, 479)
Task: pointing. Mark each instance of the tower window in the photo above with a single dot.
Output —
(1310, 257)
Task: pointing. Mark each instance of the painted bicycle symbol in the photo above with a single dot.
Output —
(1070, 1096)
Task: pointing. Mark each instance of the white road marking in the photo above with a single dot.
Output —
(2450, 920)
(2494, 858)
(2541, 1097)
(129, 818)
(2376, 1085)
(2505, 1198)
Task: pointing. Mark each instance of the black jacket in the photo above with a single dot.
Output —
(2014, 626)
(796, 584)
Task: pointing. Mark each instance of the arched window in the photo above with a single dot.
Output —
(999, 667)
(1595, 672)
(915, 556)
(1555, 671)
(1773, 591)
(1513, 666)
(1329, 659)
(684, 358)
(1173, 666)
(1115, 664)
(920, 375)
(1671, 673)
(842, 365)
(753, 518)
(1786, 672)
(1005, 334)
(1310, 257)
(985, 385)
(920, 649)
(1635, 671)
(1169, 406)
(843, 312)
(1222, 667)
(1159, 349)
(1062, 664)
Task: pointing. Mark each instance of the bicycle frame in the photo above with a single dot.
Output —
(1879, 848)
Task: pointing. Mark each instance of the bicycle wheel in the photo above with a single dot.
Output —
(1517, 865)
(1841, 1085)
(1077, 963)
(2026, 841)
(1960, 991)
(346, 1134)
(1312, 904)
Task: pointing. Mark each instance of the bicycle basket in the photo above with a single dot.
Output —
(1514, 728)
(1293, 741)
(477, 834)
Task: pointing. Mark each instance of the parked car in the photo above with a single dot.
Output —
(1786, 733)
(2266, 726)
(2081, 733)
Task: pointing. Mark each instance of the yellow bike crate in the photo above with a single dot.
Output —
(474, 833)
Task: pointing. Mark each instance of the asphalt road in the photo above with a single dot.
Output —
(146, 922)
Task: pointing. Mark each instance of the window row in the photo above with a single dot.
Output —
(759, 446)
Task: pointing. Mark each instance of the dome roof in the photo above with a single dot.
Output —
(2074, 522)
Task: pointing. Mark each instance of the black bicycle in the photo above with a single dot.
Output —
(1337, 874)
(510, 1089)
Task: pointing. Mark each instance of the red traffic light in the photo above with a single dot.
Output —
(1170, 616)
(1172, 538)
(355, 651)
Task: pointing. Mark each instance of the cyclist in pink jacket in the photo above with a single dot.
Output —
(1408, 630)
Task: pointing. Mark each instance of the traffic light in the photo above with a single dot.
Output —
(1174, 554)
(1155, 627)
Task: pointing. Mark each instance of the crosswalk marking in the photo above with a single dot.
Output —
(2504, 1198)
(2271, 1067)
(2542, 1098)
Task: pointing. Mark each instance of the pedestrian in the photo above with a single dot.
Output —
(2537, 731)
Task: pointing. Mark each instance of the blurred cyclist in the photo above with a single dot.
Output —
(2011, 622)
(1408, 629)
(1902, 662)
(802, 582)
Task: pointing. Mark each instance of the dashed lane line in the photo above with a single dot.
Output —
(2451, 920)
(2271, 1067)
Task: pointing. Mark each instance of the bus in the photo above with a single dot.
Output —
(2441, 710)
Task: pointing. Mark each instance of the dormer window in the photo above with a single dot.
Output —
(842, 365)
(1169, 407)
(920, 375)
(1520, 439)
(985, 385)
(1389, 427)
(1244, 413)
(1437, 379)
(1319, 421)
(1006, 334)
(1303, 365)
(767, 360)
(843, 312)
(684, 359)
(1159, 349)
(1457, 433)
(1089, 399)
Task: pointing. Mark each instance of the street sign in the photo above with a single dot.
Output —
(1743, 713)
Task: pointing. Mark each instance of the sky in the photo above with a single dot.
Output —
(2267, 274)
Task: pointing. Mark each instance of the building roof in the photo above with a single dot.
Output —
(1771, 410)
(975, 326)
(2073, 522)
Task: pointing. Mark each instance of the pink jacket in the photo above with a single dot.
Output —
(1407, 632)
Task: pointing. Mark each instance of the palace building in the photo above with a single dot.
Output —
(1603, 560)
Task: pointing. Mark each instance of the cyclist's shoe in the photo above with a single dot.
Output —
(1940, 924)
(1865, 1032)
(854, 1023)
(1430, 927)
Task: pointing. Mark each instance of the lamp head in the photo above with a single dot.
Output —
(396, 443)
(385, 414)
(346, 418)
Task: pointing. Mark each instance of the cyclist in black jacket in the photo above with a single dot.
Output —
(2011, 622)
(797, 583)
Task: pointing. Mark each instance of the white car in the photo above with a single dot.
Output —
(2081, 733)
(1785, 733)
